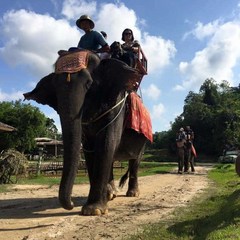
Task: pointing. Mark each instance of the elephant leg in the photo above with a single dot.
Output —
(133, 190)
(186, 161)
(101, 167)
(180, 159)
(97, 199)
(89, 157)
(192, 163)
(112, 190)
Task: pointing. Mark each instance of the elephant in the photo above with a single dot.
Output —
(186, 154)
(92, 107)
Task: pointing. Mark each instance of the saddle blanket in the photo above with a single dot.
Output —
(138, 117)
(71, 62)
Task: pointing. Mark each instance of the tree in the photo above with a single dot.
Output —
(213, 114)
(51, 129)
(29, 121)
(210, 92)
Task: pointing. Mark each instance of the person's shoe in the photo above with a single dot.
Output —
(179, 172)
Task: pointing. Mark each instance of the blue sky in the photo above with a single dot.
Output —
(185, 41)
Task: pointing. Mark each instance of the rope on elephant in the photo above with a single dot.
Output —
(123, 100)
(120, 110)
(109, 110)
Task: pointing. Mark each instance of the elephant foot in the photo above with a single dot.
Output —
(133, 193)
(111, 196)
(66, 204)
(94, 210)
(111, 192)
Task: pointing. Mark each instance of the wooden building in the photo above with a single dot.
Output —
(50, 146)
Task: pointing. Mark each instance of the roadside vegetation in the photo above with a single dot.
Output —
(213, 114)
(146, 168)
(215, 215)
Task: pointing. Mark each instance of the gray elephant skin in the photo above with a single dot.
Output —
(92, 108)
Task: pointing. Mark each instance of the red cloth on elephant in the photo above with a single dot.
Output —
(138, 117)
(194, 151)
(71, 62)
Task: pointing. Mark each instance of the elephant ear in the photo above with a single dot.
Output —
(44, 92)
(117, 74)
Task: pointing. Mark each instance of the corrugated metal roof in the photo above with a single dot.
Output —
(6, 128)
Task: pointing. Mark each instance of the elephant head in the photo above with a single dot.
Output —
(67, 98)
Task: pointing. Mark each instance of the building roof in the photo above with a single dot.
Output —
(47, 141)
(43, 139)
(53, 142)
(6, 128)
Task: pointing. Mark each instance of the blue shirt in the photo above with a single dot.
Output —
(92, 40)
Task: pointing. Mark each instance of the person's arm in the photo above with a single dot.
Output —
(135, 46)
(101, 41)
(134, 49)
(104, 48)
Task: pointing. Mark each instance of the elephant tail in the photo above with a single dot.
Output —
(124, 179)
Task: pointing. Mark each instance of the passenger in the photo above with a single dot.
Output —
(129, 43)
(104, 34)
(91, 40)
(104, 55)
(126, 52)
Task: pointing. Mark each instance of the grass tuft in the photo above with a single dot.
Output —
(213, 215)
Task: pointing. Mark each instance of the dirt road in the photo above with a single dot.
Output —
(33, 212)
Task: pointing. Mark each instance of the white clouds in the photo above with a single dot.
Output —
(10, 96)
(73, 9)
(114, 19)
(158, 51)
(32, 40)
(152, 92)
(217, 60)
(157, 117)
(157, 111)
(202, 31)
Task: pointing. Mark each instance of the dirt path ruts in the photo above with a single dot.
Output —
(33, 212)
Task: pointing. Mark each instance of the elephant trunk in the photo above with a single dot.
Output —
(71, 130)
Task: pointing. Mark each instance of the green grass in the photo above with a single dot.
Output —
(215, 215)
(159, 155)
(151, 168)
(4, 188)
(146, 168)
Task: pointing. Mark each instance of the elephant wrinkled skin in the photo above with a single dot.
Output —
(83, 106)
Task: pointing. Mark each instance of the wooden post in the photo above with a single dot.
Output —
(237, 165)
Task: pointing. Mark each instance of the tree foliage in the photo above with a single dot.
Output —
(213, 114)
(30, 123)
